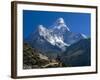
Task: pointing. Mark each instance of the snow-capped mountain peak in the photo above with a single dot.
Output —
(54, 39)
(60, 21)
(60, 24)
(42, 30)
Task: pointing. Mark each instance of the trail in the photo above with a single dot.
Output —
(50, 64)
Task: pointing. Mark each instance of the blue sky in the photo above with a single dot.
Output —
(77, 22)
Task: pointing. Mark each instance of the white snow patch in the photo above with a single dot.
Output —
(84, 35)
(61, 23)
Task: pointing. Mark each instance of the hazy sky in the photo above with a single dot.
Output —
(77, 22)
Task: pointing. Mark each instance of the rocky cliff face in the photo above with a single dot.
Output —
(33, 58)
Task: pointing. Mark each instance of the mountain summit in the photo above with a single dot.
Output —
(53, 40)
(60, 21)
(60, 24)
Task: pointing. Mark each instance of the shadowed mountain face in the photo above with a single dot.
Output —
(78, 54)
(54, 40)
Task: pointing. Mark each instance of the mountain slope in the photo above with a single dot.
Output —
(33, 58)
(77, 54)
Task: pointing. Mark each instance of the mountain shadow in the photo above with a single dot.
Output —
(78, 54)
